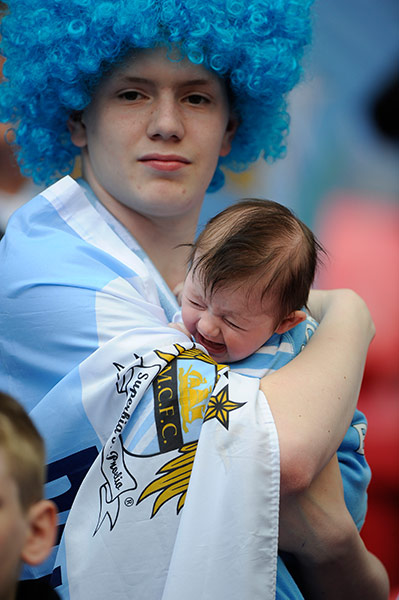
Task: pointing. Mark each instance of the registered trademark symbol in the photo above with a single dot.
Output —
(129, 501)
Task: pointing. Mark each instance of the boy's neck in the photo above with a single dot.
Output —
(160, 237)
(162, 240)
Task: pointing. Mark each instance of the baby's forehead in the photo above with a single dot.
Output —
(242, 295)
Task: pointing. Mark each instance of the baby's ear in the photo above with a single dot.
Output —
(40, 539)
(297, 316)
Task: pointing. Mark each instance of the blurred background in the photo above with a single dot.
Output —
(344, 133)
(340, 176)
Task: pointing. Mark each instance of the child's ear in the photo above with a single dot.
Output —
(42, 529)
(297, 316)
(77, 129)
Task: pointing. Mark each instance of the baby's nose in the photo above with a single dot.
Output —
(208, 327)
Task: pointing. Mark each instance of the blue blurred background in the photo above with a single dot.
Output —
(335, 142)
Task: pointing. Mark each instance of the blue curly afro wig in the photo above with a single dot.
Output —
(57, 50)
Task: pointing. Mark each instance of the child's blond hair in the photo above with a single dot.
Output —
(24, 450)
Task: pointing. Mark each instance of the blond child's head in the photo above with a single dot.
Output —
(27, 521)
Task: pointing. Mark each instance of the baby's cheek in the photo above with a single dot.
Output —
(233, 344)
(189, 321)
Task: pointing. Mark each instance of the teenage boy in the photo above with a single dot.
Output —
(154, 96)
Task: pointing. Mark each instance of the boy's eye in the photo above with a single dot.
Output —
(131, 95)
(197, 99)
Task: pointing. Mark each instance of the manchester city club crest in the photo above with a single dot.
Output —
(168, 396)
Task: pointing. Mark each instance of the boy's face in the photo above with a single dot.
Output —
(153, 133)
(231, 325)
(13, 529)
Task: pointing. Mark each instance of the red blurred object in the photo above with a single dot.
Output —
(361, 236)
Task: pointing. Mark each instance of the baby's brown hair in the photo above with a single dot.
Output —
(255, 240)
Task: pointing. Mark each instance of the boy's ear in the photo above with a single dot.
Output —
(229, 134)
(297, 316)
(77, 129)
(42, 529)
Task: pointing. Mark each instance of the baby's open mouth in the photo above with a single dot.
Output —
(212, 347)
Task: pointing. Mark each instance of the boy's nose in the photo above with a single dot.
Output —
(165, 121)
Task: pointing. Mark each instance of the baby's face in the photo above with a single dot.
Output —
(227, 324)
(13, 528)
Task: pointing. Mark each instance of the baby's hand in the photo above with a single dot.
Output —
(180, 327)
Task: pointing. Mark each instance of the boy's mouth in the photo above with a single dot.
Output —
(164, 162)
(212, 347)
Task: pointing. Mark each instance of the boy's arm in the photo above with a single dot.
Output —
(317, 529)
(334, 546)
(354, 469)
(278, 351)
(312, 419)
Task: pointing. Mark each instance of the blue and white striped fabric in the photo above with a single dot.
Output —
(277, 351)
(124, 403)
